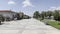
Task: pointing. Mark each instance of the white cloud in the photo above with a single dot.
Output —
(27, 3)
(11, 2)
(58, 8)
(54, 8)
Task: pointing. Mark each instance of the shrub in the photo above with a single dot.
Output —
(2, 18)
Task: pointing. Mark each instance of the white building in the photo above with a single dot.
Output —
(7, 13)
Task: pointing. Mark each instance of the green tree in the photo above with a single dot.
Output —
(2, 18)
(43, 14)
(49, 13)
(18, 16)
(57, 15)
(46, 13)
(36, 14)
(21, 14)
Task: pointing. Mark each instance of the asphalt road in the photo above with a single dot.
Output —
(27, 26)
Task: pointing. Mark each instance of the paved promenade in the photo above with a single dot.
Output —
(27, 26)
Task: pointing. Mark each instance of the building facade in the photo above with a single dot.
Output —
(7, 13)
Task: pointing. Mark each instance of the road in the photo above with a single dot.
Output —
(27, 26)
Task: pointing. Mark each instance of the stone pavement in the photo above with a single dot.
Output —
(27, 26)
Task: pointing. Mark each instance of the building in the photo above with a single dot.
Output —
(7, 13)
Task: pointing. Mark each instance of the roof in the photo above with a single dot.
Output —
(5, 11)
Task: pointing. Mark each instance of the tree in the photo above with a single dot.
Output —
(43, 14)
(36, 14)
(49, 13)
(18, 16)
(46, 13)
(21, 14)
(57, 15)
(2, 18)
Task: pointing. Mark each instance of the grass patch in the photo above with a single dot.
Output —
(55, 24)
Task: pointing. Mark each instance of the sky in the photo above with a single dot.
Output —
(29, 6)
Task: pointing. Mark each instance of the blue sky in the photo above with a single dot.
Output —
(29, 6)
